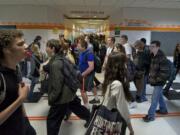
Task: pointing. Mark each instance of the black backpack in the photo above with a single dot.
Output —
(97, 62)
(72, 76)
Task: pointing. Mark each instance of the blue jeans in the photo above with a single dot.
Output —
(157, 96)
(143, 96)
(34, 81)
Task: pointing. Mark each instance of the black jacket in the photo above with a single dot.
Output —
(58, 91)
(159, 69)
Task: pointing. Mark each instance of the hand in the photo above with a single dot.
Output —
(23, 91)
(131, 133)
(103, 68)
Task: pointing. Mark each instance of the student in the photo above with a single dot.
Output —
(110, 42)
(12, 51)
(130, 70)
(159, 72)
(60, 96)
(36, 60)
(127, 46)
(86, 66)
(115, 78)
(147, 58)
(176, 58)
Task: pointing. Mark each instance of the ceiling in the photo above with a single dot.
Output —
(99, 3)
(94, 8)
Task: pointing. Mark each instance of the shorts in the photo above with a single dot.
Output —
(88, 82)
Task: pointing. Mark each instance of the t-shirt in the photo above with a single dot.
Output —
(90, 47)
(128, 49)
(15, 123)
(109, 50)
(84, 58)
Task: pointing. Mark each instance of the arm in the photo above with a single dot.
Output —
(45, 66)
(89, 69)
(163, 70)
(6, 113)
(105, 62)
(121, 103)
(33, 66)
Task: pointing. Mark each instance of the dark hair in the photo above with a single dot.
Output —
(61, 35)
(120, 47)
(7, 37)
(156, 42)
(139, 43)
(37, 38)
(113, 39)
(82, 42)
(116, 72)
(90, 37)
(125, 37)
(143, 40)
(53, 43)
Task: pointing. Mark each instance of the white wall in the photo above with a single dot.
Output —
(133, 35)
(137, 35)
(156, 16)
(29, 35)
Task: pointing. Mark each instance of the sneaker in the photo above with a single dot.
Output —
(148, 119)
(132, 105)
(144, 99)
(86, 124)
(161, 112)
(94, 101)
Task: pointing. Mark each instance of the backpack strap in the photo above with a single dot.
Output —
(3, 92)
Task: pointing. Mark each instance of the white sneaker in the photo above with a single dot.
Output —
(132, 105)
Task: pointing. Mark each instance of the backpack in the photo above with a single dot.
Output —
(72, 76)
(97, 62)
(171, 71)
(3, 86)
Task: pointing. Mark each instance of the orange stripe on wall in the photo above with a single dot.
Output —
(34, 25)
(163, 28)
(171, 28)
(39, 26)
(173, 114)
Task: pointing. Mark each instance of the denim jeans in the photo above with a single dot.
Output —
(157, 97)
(34, 81)
(143, 96)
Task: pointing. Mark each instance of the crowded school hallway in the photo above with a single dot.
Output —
(89, 67)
